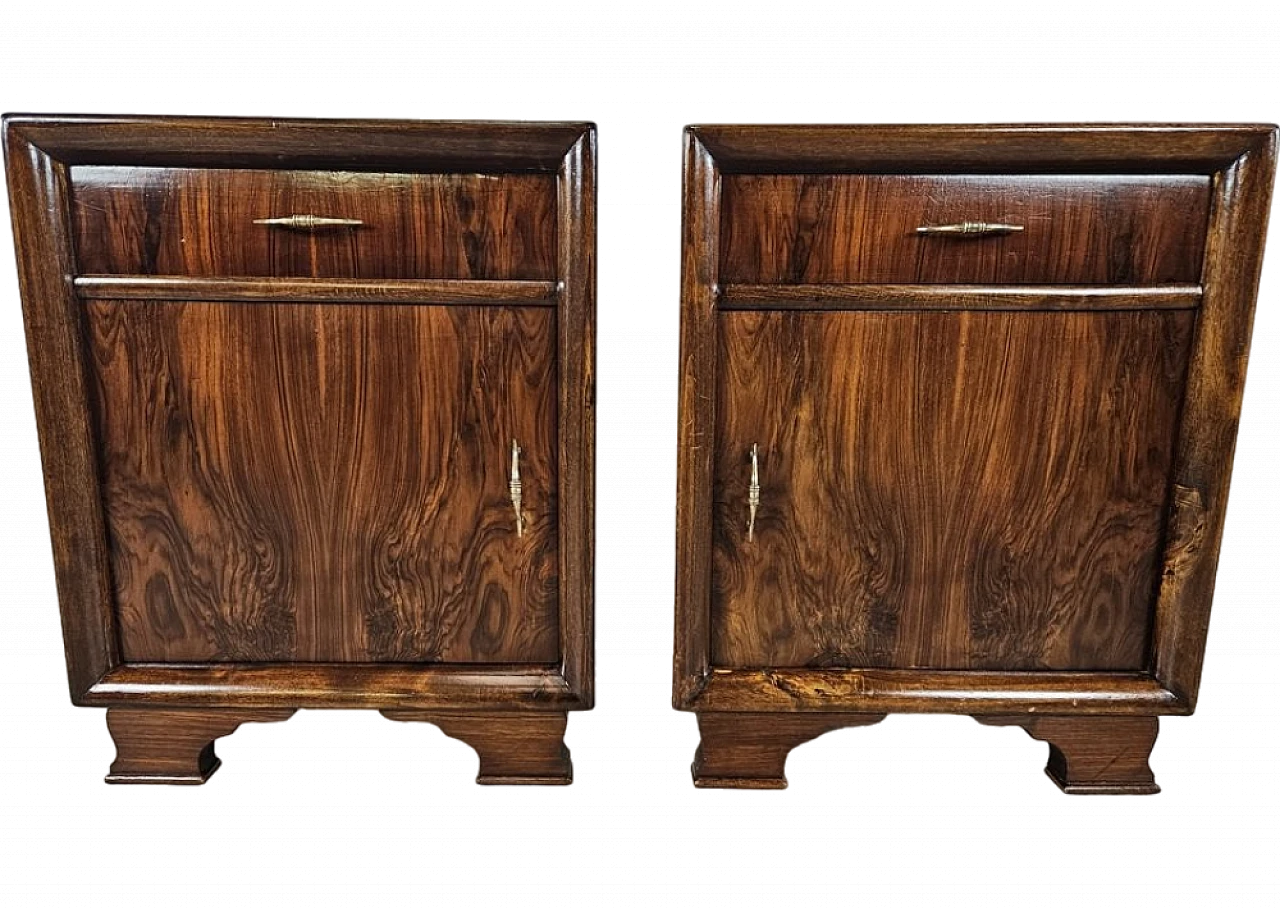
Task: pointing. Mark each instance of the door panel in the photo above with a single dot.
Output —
(953, 490)
(328, 483)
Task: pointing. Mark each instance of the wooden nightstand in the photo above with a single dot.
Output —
(315, 401)
(957, 414)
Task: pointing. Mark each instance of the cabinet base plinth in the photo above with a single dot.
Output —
(514, 749)
(1094, 754)
(174, 746)
(749, 750)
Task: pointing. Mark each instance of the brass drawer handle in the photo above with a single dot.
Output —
(753, 493)
(970, 229)
(309, 222)
(516, 488)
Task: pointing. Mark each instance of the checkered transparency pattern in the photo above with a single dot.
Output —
(640, 141)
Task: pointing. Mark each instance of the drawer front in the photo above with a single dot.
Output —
(201, 222)
(328, 483)
(944, 490)
(828, 228)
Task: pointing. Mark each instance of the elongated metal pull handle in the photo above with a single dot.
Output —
(970, 229)
(517, 490)
(308, 222)
(753, 493)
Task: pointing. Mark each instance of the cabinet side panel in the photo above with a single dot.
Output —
(328, 483)
(943, 490)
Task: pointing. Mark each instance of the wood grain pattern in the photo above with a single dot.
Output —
(199, 222)
(513, 749)
(318, 290)
(742, 750)
(342, 685)
(174, 746)
(1079, 229)
(695, 463)
(327, 483)
(988, 297)
(1090, 755)
(1211, 414)
(444, 146)
(915, 690)
(1028, 148)
(38, 201)
(944, 490)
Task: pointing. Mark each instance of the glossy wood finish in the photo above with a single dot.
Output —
(51, 314)
(997, 148)
(974, 297)
(143, 220)
(915, 690)
(357, 511)
(319, 290)
(862, 229)
(361, 518)
(1009, 516)
(992, 475)
(1211, 413)
(742, 750)
(174, 746)
(1094, 755)
(513, 749)
(438, 146)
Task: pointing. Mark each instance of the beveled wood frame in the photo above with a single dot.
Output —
(39, 150)
(1239, 158)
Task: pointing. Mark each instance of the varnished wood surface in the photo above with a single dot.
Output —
(914, 690)
(1094, 755)
(1078, 229)
(1032, 148)
(1211, 413)
(38, 200)
(199, 222)
(327, 483)
(744, 750)
(347, 685)
(174, 746)
(944, 490)
(460, 146)
(1000, 298)
(318, 290)
(513, 749)
(695, 462)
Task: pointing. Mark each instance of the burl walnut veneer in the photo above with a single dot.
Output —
(316, 408)
(957, 413)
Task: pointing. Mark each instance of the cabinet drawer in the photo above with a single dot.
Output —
(863, 229)
(204, 223)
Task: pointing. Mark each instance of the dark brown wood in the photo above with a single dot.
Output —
(1009, 516)
(980, 297)
(513, 750)
(1030, 148)
(695, 470)
(855, 229)
(743, 750)
(476, 687)
(357, 511)
(914, 690)
(1094, 755)
(575, 344)
(443, 146)
(38, 200)
(1211, 413)
(319, 290)
(200, 222)
(174, 746)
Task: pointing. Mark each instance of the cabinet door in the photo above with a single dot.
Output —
(952, 490)
(328, 483)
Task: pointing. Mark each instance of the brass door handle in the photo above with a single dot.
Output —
(753, 493)
(516, 488)
(308, 222)
(969, 229)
